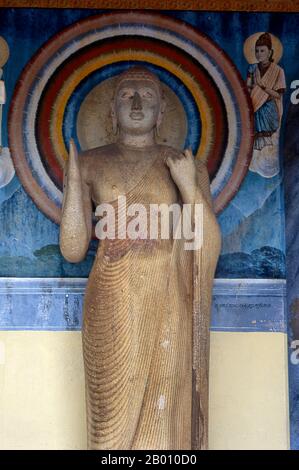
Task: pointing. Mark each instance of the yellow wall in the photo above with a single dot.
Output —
(249, 391)
(42, 391)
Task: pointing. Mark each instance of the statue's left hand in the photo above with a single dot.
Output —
(183, 172)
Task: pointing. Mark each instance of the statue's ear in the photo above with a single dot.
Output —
(114, 118)
(161, 113)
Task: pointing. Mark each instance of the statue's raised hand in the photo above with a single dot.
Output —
(73, 166)
(183, 172)
(75, 227)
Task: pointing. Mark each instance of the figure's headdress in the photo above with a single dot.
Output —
(264, 40)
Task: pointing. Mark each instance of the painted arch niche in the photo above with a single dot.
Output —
(61, 90)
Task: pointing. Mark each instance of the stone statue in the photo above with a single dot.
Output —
(146, 378)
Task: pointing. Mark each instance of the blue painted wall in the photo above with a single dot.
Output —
(291, 155)
(250, 249)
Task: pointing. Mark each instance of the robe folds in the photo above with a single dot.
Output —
(137, 328)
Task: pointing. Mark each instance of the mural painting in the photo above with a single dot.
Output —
(232, 99)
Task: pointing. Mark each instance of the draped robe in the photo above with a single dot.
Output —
(137, 329)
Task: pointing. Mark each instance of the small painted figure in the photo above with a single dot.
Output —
(266, 84)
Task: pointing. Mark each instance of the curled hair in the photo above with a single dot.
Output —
(139, 73)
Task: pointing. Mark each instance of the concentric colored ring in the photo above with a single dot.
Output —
(57, 95)
(39, 168)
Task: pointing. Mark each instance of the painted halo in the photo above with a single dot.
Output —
(4, 51)
(54, 90)
(249, 48)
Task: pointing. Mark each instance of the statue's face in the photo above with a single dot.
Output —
(137, 106)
